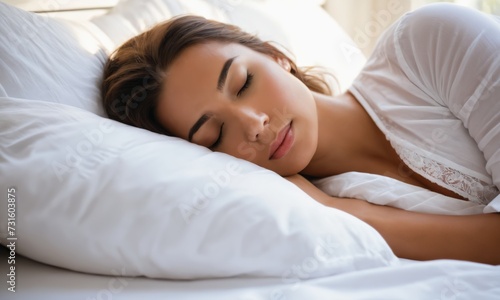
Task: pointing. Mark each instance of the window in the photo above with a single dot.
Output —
(365, 20)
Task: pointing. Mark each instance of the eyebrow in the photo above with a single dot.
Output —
(223, 73)
(220, 85)
(202, 120)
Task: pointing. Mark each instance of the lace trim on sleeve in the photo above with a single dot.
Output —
(465, 185)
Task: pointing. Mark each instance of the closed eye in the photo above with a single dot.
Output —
(219, 139)
(246, 85)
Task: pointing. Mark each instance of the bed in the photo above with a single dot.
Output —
(95, 209)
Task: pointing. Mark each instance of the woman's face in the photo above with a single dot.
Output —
(232, 99)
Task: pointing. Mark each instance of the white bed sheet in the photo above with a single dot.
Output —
(440, 279)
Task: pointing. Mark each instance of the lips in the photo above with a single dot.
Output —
(283, 143)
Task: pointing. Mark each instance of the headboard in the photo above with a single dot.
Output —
(67, 9)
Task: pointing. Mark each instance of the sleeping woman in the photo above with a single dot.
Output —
(425, 110)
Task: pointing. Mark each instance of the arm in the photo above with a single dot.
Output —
(421, 236)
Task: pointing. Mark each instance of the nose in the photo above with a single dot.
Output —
(253, 123)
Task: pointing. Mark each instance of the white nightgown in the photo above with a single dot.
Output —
(432, 85)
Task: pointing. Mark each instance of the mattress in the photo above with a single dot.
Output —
(439, 279)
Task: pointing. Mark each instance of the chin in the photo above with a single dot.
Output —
(285, 173)
(293, 167)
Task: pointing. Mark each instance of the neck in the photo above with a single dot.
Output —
(347, 137)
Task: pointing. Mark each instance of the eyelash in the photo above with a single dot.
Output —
(217, 142)
(246, 85)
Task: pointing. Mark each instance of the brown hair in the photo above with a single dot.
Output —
(134, 73)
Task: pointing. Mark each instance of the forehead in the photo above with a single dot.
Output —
(205, 52)
(198, 62)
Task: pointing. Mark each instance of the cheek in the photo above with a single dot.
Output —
(285, 90)
(247, 151)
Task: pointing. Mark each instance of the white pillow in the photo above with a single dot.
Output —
(52, 60)
(98, 196)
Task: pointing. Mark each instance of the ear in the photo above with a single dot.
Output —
(283, 62)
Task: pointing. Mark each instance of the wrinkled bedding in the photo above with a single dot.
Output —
(384, 190)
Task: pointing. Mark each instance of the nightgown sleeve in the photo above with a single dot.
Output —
(452, 54)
